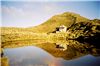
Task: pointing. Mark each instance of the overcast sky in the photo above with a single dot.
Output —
(31, 13)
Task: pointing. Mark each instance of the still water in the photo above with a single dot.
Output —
(35, 56)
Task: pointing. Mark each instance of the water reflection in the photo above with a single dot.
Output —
(33, 56)
(27, 56)
(51, 53)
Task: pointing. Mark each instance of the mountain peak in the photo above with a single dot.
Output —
(66, 18)
(70, 13)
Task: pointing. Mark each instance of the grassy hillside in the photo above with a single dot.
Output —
(15, 34)
(82, 27)
(66, 19)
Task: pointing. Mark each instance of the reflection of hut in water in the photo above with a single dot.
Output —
(61, 46)
(68, 54)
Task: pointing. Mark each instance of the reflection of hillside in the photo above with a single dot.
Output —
(74, 48)
(70, 53)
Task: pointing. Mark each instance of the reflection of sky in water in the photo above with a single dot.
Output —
(87, 60)
(32, 56)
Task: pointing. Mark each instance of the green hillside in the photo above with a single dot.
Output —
(66, 19)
